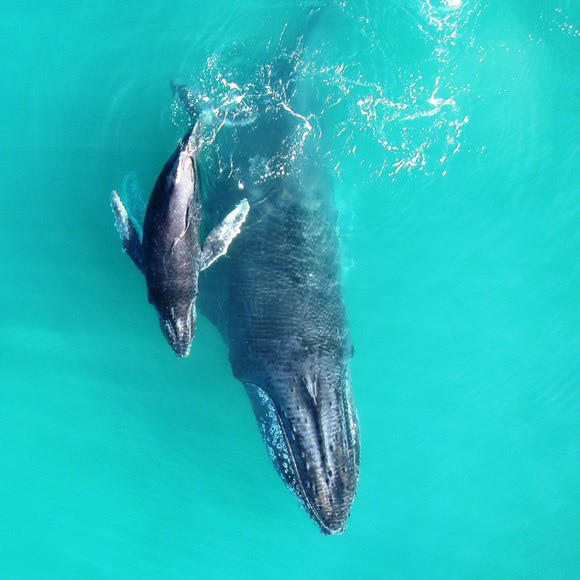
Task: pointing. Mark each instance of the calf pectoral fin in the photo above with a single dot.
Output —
(127, 230)
(219, 239)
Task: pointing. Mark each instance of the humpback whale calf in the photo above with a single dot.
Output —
(170, 254)
(277, 298)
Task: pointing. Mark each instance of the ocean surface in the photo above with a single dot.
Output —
(452, 131)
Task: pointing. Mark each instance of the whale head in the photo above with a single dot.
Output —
(178, 325)
(310, 429)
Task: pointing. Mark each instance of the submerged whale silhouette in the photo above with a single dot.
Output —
(277, 302)
(170, 254)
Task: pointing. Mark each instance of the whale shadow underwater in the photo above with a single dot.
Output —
(276, 296)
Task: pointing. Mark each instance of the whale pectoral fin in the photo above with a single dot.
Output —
(219, 239)
(127, 230)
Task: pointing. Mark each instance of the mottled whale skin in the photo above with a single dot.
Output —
(170, 254)
(277, 301)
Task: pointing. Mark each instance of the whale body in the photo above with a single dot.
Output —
(170, 254)
(277, 301)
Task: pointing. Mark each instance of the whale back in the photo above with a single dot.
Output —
(277, 299)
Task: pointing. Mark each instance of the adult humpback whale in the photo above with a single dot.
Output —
(277, 299)
(170, 254)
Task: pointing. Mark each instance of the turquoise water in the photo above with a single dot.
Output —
(452, 131)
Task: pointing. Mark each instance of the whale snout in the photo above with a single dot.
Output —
(324, 439)
(179, 329)
(328, 496)
(313, 442)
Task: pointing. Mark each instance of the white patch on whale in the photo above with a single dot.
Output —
(273, 436)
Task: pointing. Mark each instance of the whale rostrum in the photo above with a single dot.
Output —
(169, 253)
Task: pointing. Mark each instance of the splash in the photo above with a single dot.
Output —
(224, 94)
(561, 20)
(407, 112)
(381, 113)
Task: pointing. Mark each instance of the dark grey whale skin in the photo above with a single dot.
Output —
(277, 300)
(170, 254)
